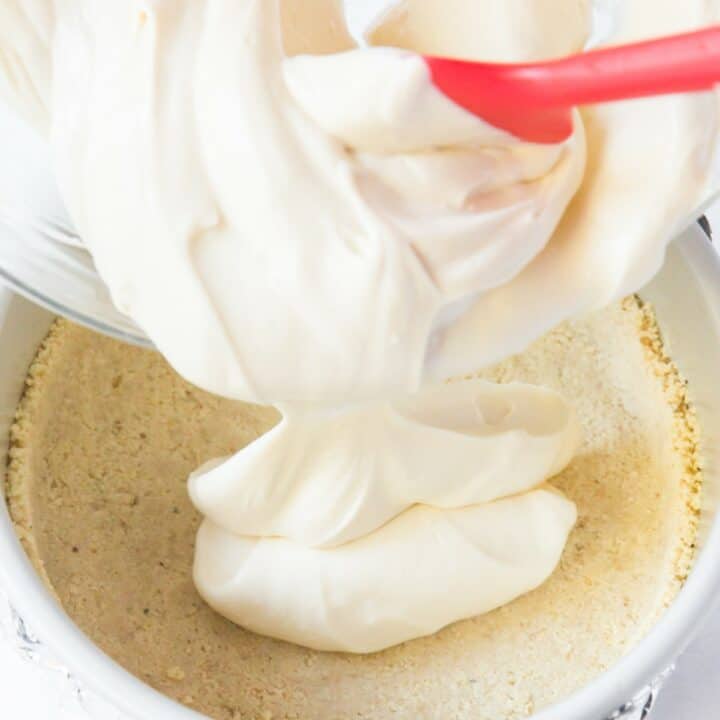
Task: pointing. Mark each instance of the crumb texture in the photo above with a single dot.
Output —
(107, 434)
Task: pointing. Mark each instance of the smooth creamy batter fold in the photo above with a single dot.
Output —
(379, 525)
(251, 197)
(26, 36)
(424, 569)
(325, 479)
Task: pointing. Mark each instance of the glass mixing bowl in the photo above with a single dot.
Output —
(41, 256)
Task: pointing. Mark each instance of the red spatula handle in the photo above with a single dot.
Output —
(679, 63)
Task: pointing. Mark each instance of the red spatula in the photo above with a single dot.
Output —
(534, 101)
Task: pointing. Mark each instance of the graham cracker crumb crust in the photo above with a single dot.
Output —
(106, 434)
(686, 435)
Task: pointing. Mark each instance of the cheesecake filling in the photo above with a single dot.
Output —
(260, 193)
(360, 530)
